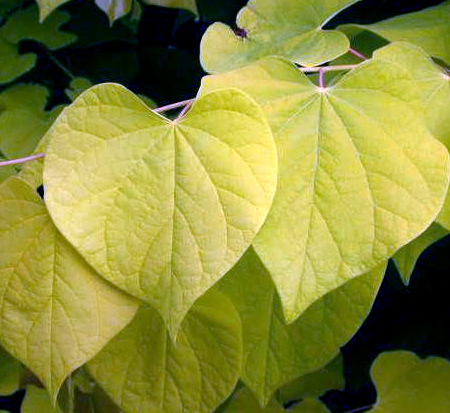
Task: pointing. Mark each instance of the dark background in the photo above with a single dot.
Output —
(162, 61)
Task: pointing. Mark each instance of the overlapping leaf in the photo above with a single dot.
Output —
(47, 6)
(23, 119)
(359, 175)
(160, 208)
(286, 28)
(13, 64)
(276, 353)
(406, 257)
(56, 312)
(429, 29)
(10, 370)
(156, 375)
(406, 383)
(426, 87)
(244, 401)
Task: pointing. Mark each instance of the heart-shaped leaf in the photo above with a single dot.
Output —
(160, 208)
(193, 375)
(285, 28)
(359, 175)
(56, 312)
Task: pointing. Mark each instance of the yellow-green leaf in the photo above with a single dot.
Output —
(426, 87)
(285, 28)
(406, 257)
(13, 64)
(143, 370)
(190, 5)
(160, 208)
(406, 383)
(359, 175)
(56, 312)
(276, 353)
(244, 401)
(428, 28)
(47, 6)
(10, 371)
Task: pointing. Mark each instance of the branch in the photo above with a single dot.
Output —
(174, 106)
(22, 160)
(326, 68)
(357, 54)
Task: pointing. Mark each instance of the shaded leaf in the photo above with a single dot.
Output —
(13, 64)
(37, 400)
(10, 371)
(315, 384)
(286, 28)
(244, 401)
(25, 24)
(406, 257)
(160, 208)
(7, 5)
(276, 353)
(406, 383)
(77, 86)
(23, 119)
(359, 175)
(56, 311)
(428, 28)
(193, 375)
(309, 405)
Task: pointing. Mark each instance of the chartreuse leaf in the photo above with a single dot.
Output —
(160, 208)
(23, 119)
(406, 257)
(315, 384)
(428, 28)
(285, 28)
(426, 87)
(190, 5)
(359, 175)
(25, 24)
(244, 401)
(276, 353)
(56, 312)
(156, 375)
(37, 400)
(309, 405)
(406, 383)
(77, 86)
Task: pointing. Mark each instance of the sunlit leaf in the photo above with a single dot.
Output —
(160, 208)
(56, 311)
(428, 28)
(156, 375)
(406, 383)
(406, 257)
(23, 119)
(115, 9)
(359, 175)
(276, 353)
(426, 87)
(190, 5)
(25, 25)
(285, 28)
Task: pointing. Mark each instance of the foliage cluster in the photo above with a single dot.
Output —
(217, 258)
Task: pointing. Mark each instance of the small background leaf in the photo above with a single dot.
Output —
(406, 383)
